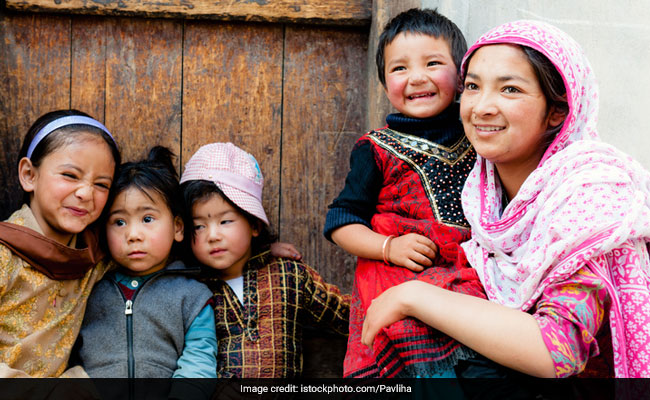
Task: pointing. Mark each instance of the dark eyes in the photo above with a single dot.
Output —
(506, 89)
(511, 89)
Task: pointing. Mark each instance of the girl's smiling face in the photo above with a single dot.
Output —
(69, 189)
(503, 108)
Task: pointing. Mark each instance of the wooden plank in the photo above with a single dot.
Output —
(337, 12)
(378, 104)
(324, 114)
(143, 84)
(232, 92)
(35, 79)
(88, 83)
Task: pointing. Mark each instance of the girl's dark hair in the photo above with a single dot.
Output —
(552, 86)
(61, 137)
(199, 190)
(156, 174)
(424, 22)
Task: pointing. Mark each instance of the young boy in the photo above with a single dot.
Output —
(148, 318)
(400, 210)
(261, 302)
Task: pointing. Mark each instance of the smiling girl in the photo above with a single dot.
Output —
(48, 259)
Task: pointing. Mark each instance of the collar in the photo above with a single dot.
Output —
(444, 128)
(22, 234)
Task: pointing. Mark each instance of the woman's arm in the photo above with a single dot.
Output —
(509, 337)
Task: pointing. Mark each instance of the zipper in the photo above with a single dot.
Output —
(128, 312)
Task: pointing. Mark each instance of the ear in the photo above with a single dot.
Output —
(27, 174)
(459, 85)
(256, 228)
(178, 229)
(555, 117)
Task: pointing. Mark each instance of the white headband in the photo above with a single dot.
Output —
(60, 123)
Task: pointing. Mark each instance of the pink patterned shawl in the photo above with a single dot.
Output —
(582, 203)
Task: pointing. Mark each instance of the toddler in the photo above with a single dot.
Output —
(400, 211)
(148, 318)
(261, 302)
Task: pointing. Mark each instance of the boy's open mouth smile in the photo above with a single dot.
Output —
(420, 95)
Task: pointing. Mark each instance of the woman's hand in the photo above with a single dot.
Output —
(412, 251)
(285, 250)
(389, 307)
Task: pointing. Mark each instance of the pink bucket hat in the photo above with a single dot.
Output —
(234, 171)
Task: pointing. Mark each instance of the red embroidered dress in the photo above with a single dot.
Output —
(420, 192)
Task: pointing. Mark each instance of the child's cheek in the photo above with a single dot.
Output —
(394, 87)
(114, 243)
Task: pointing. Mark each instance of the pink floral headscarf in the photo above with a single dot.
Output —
(585, 201)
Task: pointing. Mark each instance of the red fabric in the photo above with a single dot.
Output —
(408, 347)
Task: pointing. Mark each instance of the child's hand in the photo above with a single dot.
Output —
(285, 250)
(411, 251)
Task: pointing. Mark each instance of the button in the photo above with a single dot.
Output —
(63, 292)
(134, 283)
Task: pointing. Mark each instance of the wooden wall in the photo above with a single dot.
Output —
(295, 90)
(290, 94)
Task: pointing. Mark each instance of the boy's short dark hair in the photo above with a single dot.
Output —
(425, 22)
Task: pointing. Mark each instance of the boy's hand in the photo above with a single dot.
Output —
(411, 251)
(285, 250)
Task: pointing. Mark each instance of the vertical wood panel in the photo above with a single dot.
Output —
(35, 68)
(143, 84)
(88, 83)
(324, 113)
(232, 92)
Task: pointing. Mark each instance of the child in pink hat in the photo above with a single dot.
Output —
(260, 301)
